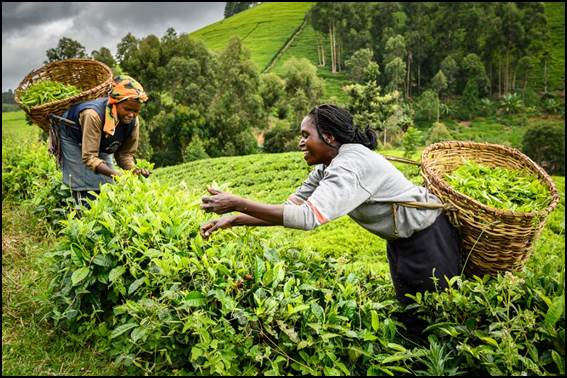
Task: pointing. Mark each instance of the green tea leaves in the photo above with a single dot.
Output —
(79, 275)
(500, 188)
(46, 91)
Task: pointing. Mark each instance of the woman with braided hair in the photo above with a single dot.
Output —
(104, 128)
(351, 179)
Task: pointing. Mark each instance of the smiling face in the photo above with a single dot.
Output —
(127, 111)
(315, 150)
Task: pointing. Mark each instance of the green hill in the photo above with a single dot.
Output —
(305, 46)
(555, 14)
(265, 29)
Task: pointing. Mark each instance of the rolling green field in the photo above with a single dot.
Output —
(555, 14)
(305, 46)
(14, 127)
(264, 29)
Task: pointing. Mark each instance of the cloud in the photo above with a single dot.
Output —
(30, 29)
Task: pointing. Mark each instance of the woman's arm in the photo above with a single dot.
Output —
(222, 203)
(230, 221)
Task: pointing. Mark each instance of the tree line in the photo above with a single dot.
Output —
(415, 41)
(405, 62)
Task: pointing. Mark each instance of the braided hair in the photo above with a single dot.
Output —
(338, 122)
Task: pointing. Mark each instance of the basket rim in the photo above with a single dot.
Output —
(500, 148)
(64, 61)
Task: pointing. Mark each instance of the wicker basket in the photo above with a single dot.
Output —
(92, 77)
(493, 240)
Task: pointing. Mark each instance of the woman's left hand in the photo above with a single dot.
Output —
(219, 202)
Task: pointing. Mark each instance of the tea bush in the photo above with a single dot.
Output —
(134, 272)
(30, 176)
(25, 169)
(134, 275)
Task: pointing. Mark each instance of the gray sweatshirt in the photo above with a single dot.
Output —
(363, 185)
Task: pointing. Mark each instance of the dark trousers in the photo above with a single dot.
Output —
(413, 259)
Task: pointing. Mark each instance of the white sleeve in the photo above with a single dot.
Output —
(338, 193)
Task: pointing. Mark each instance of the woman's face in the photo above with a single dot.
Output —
(127, 111)
(315, 150)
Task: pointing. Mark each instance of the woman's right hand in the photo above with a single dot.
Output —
(211, 226)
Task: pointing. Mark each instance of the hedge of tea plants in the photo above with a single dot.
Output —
(134, 271)
(134, 275)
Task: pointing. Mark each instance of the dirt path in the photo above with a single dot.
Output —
(284, 49)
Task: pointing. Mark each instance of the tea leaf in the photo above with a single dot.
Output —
(375, 322)
(138, 333)
(103, 260)
(194, 299)
(135, 285)
(116, 273)
(121, 329)
(79, 275)
(555, 311)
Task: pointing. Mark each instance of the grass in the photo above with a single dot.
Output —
(15, 128)
(507, 131)
(264, 29)
(29, 344)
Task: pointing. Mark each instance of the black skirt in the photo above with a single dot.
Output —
(413, 259)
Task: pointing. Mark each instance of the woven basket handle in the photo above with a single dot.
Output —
(426, 205)
(418, 205)
(402, 160)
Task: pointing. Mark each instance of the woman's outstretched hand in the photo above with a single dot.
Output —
(216, 224)
(219, 202)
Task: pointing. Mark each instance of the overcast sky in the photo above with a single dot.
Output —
(30, 29)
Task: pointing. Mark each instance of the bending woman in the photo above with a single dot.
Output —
(351, 179)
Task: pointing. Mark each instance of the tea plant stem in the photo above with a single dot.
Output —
(279, 350)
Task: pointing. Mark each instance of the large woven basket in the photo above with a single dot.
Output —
(493, 240)
(92, 77)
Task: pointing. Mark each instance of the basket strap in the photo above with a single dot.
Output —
(417, 205)
(426, 205)
(402, 160)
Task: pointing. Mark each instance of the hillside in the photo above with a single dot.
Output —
(555, 13)
(265, 29)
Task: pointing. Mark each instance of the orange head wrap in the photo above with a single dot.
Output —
(123, 88)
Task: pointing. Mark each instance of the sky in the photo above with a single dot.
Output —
(30, 29)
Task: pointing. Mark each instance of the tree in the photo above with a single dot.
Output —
(410, 141)
(125, 48)
(395, 67)
(8, 97)
(324, 16)
(104, 55)
(450, 69)
(525, 65)
(67, 48)
(476, 74)
(386, 114)
(358, 63)
(438, 133)
(237, 107)
(280, 138)
(233, 7)
(439, 85)
(546, 146)
(303, 88)
(272, 90)
(229, 9)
